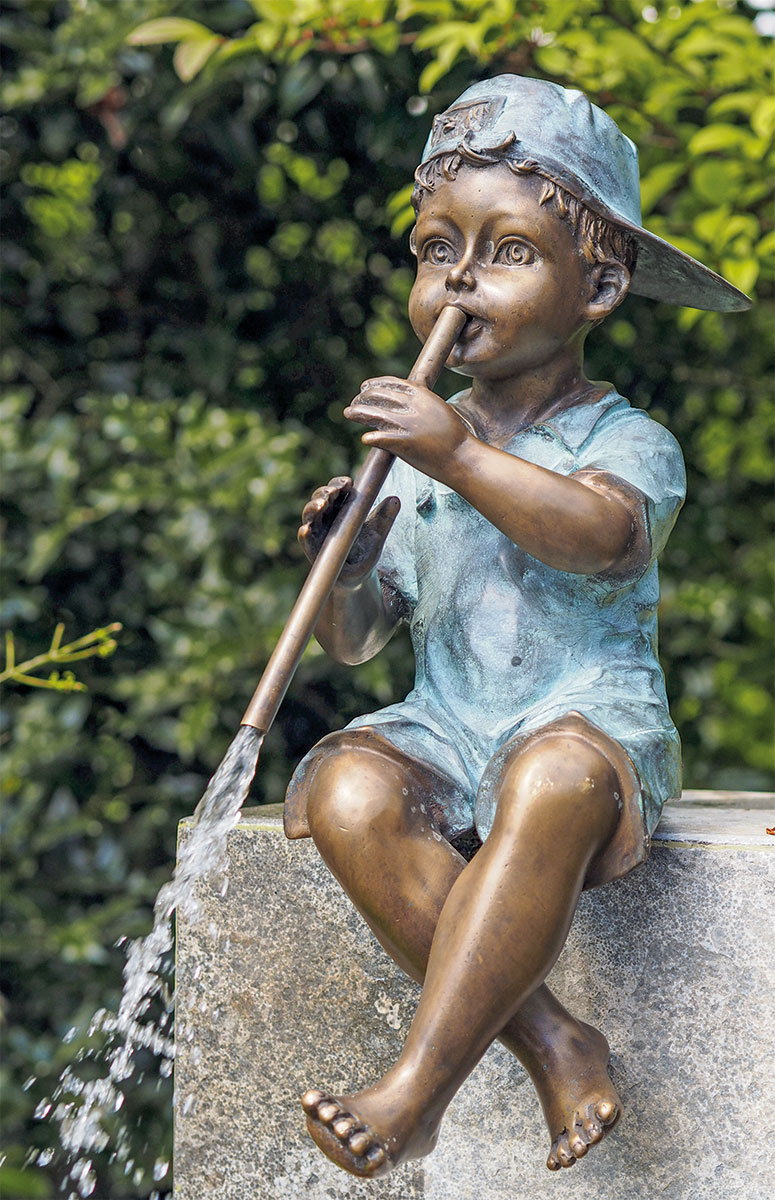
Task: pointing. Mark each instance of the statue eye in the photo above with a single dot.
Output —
(514, 253)
(438, 253)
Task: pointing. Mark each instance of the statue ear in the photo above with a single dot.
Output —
(413, 241)
(609, 284)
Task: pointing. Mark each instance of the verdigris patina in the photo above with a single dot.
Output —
(517, 535)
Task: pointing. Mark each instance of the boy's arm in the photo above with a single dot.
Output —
(561, 520)
(564, 522)
(358, 619)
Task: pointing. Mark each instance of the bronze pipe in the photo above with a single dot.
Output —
(324, 572)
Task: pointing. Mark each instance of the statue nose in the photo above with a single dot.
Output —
(460, 277)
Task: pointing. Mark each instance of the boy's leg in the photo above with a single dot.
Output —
(367, 814)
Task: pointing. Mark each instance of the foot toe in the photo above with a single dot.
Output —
(578, 1147)
(594, 1131)
(343, 1126)
(359, 1143)
(606, 1111)
(561, 1152)
(376, 1157)
(327, 1111)
(310, 1101)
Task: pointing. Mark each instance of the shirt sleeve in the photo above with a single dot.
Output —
(396, 566)
(633, 448)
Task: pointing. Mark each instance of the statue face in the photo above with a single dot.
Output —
(484, 243)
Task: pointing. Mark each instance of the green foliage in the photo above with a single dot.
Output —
(197, 278)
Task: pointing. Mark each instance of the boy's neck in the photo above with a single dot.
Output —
(500, 408)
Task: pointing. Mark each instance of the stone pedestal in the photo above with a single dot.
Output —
(281, 986)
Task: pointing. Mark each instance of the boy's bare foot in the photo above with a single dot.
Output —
(347, 1130)
(580, 1103)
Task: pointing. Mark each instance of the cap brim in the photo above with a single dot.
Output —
(663, 272)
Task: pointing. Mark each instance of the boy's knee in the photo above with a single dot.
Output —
(350, 794)
(560, 777)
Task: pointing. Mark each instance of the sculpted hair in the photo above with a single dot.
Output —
(598, 239)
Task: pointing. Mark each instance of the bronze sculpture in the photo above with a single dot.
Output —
(517, 534)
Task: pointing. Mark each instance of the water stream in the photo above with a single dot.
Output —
(84, 1110)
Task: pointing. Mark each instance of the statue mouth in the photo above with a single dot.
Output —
(475, 323)
(473, 326)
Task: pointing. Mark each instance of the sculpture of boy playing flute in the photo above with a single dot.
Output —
(517, 534)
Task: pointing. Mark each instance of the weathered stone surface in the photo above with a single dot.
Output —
(281, 986)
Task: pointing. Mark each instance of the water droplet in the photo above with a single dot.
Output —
(29, 1082)
(225, 886)
(160, 1169)
(45, 1157)
(165, 1068)
(71, 1033)
(42, 1110)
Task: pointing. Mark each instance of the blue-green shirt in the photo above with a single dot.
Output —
(505, 644)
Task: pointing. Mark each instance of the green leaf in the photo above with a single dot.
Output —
(766, 246)
(190, 57)
(743, 273)
(385, 38)
(717, 180)
(168, 29)
(440, 66)
(710, 225)
(658, 182)
(718, 137)
(763, 119)
(737, 101)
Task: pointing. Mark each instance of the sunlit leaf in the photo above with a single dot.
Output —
(743, 273)
(190, 57)
(168, 29)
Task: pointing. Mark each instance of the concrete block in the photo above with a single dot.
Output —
(281, 986)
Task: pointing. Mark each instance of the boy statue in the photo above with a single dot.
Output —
(517, 534)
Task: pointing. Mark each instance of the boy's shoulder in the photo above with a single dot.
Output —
(610, 420)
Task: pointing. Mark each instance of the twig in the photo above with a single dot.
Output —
(99, 642)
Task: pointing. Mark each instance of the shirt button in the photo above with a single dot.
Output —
(516, 660)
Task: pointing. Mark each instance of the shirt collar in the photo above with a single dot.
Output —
(572, 426)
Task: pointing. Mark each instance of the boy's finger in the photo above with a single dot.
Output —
(391, 381)
(385, 438)
(381, 425)
(368, 414)
(386, 400)
(388, 510)
(314, 506)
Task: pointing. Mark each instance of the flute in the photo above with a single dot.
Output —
(324, 572)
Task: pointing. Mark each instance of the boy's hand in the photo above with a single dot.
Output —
(410, 421)
(319, 514)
